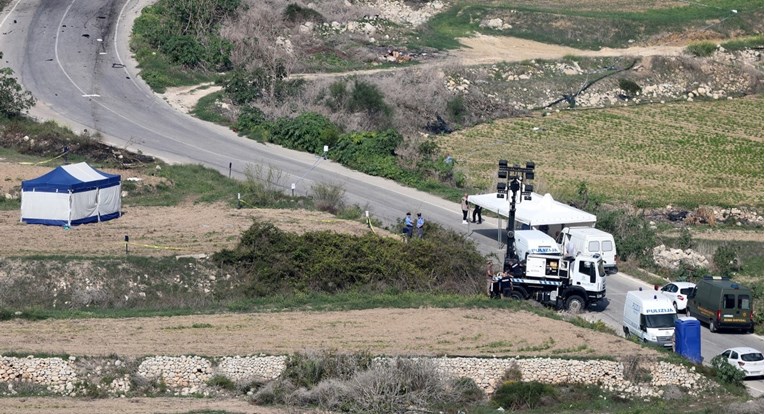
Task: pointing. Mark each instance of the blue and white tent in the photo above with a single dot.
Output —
(71, 194)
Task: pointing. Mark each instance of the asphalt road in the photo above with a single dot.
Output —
(73, 56)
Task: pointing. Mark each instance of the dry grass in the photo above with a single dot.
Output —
(681, 153)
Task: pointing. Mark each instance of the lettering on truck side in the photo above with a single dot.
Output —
(543, 250)
(661, 310)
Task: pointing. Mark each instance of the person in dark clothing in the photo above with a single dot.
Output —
(477, 213)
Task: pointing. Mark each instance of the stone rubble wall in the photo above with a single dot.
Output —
(189, 375)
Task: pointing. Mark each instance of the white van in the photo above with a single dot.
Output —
(534, 242)
(650, 316)
(590, 241)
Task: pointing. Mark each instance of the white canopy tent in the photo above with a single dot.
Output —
(539, 211)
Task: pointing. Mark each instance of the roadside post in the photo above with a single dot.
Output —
(127, 240)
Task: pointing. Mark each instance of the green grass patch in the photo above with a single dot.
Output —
(701, 49)
(742, 43)
(207, 109)
(186, 182)
(159, 73)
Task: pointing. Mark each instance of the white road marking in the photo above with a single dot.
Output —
(9, 12)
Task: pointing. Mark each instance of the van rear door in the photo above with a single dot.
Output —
(736, 308)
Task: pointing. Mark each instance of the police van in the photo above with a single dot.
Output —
(650, 317)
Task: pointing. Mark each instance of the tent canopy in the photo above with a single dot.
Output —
(540, 210)
(74, 177)
(71, 194)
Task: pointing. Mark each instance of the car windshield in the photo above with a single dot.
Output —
(753, 357)
(686, 291)
(664, 320)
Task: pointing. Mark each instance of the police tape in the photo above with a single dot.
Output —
(369, 223)
(43, 162)
(155, 246)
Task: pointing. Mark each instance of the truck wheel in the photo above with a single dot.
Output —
(516, 295)
(575, 304)
(712, 325)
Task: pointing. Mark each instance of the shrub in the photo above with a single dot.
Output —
(328, 197)
(297, 14)
(308, 370)
(726, 259)
(456, 108)
(14, 100)
(686, 240)
(629, 86)
(727, 373)
(366, 97)
(632, 234)
(521, 395)
(307, 132)
(701, 49)
(220, 381)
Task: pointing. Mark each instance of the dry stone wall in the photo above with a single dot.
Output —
(189, 375)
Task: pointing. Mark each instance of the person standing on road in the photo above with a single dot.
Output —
(420, 225)
(465, 208)
(477, 213)
(408, 225)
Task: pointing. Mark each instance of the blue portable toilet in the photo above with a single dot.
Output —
(688, 338)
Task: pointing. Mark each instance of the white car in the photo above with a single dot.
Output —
(746, 359)
(678, 293)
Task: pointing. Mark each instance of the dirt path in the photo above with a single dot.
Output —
(479, 49)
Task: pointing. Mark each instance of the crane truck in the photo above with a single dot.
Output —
(557, 280)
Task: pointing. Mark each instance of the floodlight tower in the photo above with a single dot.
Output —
(511, 180)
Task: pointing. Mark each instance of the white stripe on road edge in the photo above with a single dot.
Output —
(92, 95)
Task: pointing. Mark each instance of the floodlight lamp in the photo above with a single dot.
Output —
(501, 187)
(528, 188)
(503, 164)
(515, 186)
(502, 173)
(516, 167)
(530, 165)
(527, 197)
(529, 175)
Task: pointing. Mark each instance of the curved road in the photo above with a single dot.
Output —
(73, 56)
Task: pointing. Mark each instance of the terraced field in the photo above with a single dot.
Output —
(687, 153)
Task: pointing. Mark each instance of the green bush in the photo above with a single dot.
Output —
(308, 132)
(726, 259)
(727, 373)
(14, 100)
(633, 236)
(268, 261)
(748, 42)
(629, 86)
(366, 97)
(522, 395)
(686, 240)
(297, 14)
(701, 49)
(456, 108)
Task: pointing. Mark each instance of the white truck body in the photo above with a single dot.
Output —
(534, 242)
(561, 281)
(590, 241)
(649, 316)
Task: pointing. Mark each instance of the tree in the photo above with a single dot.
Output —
(14, 100)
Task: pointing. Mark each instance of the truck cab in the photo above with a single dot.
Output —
(575, 282)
